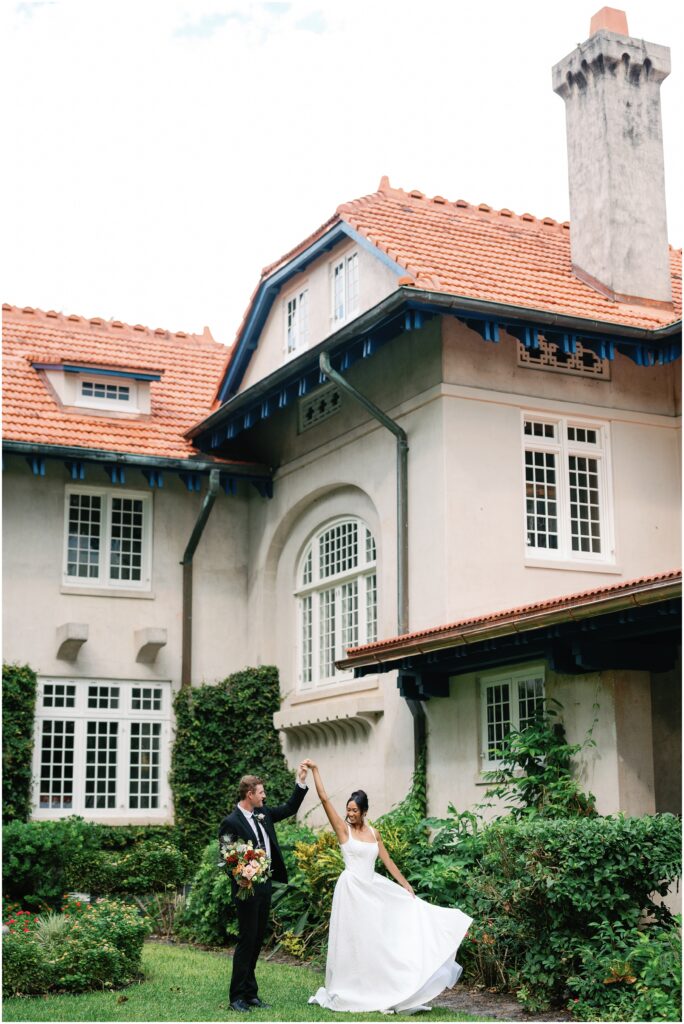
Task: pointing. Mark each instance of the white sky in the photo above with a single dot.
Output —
(158, 155)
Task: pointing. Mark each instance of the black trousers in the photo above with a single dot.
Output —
(252, 915)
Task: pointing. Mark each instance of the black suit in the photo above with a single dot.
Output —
(252, 913)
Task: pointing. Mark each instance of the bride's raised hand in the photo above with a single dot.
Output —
(309, 763)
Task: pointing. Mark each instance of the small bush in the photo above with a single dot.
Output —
(37, 854)
(208, 916)
(628, 974)
(540, 892)
(149, 866)
(44, 859)
(96, 946)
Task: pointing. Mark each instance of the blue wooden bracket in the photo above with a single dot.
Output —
(117, 474)
(37, 464)
(368, 347)
(413, 320)
(193, 481)
(264, 487)
(154, 477)
(487, 329)
(229, 484)
(76, 470)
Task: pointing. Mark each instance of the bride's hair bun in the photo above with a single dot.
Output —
(360, 799)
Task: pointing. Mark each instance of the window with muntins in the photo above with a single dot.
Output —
(567, 498)
(336, 599)
(108, 538)
(105, 752)
(297, 322)
(509, 701)
(345, 287)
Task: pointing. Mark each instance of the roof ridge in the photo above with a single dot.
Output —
(97, 321)
(386, 190)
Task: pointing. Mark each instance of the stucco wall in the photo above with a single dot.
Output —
(455, 740)
(376, 281)
(35, 604)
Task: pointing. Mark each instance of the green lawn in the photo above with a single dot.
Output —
(187, 984)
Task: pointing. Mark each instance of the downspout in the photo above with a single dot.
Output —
(186, 642)
(415, 706)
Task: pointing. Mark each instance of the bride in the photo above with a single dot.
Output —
(387, 949)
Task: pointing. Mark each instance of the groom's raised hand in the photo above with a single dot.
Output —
(302, 772)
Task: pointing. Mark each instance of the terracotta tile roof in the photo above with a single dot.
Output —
(398, 645)
(190, 365)
(473, 250)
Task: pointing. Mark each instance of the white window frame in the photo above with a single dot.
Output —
(347, 269)
(103, 580)
(299, 341)
(500, 678)
(118, 404)
(125, 716)
(563, 449)
(365, 573)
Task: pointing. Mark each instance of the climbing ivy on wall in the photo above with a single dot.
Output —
(18, 708)
(222, 733)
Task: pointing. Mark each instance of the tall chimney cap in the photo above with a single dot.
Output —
(610, 19)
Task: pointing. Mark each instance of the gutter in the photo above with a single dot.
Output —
(408, 297)
(188, 555)
(477, 632)
(204, 464)
(415, 706)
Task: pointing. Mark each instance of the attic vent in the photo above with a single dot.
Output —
(319, 405)
(550, 356)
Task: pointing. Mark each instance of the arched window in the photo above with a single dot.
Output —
(336, 597)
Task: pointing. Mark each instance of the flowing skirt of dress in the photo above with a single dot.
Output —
(387, 950)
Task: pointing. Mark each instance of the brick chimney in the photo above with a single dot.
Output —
(618, 225)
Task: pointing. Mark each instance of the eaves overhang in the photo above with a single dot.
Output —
(191, 470)
(408, 309)
(523, 622)
(267, 291)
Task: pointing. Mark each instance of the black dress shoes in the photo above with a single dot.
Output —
(258, 1004)
(240, 1006)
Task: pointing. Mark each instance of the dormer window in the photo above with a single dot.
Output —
(103, 391)
(100, 391)
(345, 287)
(297, 322)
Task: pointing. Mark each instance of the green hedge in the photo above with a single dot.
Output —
(44, 859)
(18, 709)
(543, 891)
(89, 947)
(222, 733)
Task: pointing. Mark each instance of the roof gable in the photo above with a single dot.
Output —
(453, 248)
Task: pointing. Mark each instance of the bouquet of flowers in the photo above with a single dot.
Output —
(247, 865)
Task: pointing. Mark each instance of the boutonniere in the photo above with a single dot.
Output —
(260, 817)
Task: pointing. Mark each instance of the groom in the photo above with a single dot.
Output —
(251, 819)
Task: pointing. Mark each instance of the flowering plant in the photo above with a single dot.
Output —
(247, 865)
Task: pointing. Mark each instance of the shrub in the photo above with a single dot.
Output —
(37, 854)
(535, 775)
(96, 946)
(208, 916)
(540, 890)
(18, 707)
(629, 974)
(45, 859)
(222, 733)
(149, 866)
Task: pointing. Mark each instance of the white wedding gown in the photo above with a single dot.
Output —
(387, 950)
